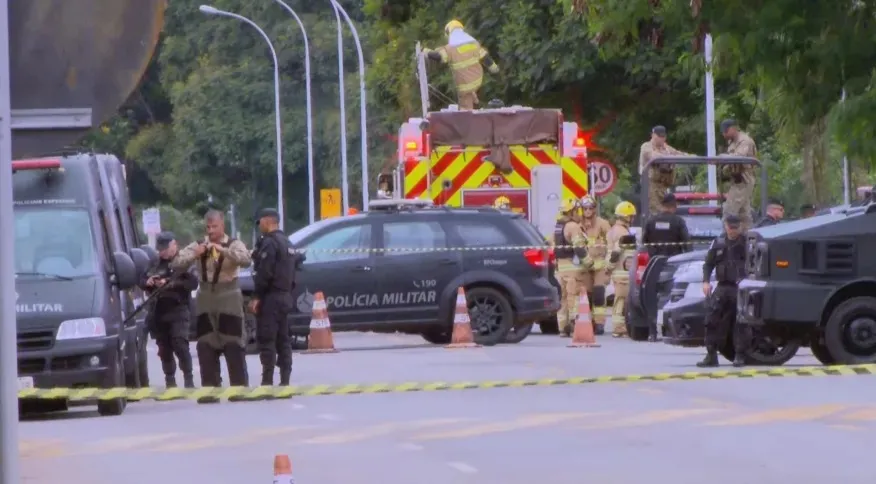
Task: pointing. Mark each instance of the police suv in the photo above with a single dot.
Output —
(397, 268)
(77, 264)
(811, 282)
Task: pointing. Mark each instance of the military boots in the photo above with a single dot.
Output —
(739, 359)
(711, 359)
(170, 381)
(189, 380)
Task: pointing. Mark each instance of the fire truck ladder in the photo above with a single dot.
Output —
(423, 79)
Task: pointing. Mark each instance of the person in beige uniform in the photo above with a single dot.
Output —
(618, 265)
(661, 177)
(465, 56)
(596, 278)
(741, 177)
(220, 320)
(570, 245)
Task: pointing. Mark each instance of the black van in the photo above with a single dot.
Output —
(77, 264)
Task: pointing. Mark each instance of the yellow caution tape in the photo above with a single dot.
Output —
(261, 393)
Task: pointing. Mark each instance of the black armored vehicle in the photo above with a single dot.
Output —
(813, 281)
(77, 264)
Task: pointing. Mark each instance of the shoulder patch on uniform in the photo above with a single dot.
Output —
(264, 254)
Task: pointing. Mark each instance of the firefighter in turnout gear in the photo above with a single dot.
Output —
(572, 262)
(597, 276)
(467, 59)
(502, 203)
(220, 321)
(622, 250)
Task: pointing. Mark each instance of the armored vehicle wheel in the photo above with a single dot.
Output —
(820, 351)
(850, 332)
(518, 334)
(765, 351)
(116, 406)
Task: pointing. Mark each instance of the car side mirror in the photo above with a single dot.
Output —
(126, 271)
(150, 252)
(141, 260)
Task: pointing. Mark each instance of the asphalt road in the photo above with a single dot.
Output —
(803, 430)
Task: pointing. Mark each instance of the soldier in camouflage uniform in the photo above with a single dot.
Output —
(220, 319)
(741, 177)
(572, 262)
(661, 177)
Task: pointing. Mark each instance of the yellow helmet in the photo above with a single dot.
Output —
(625, 209)
(569, 205)
(502, 202)
(587, 201)
(451, 26)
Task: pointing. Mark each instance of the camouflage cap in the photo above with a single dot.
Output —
(659, 131)
(163, 240)
(727, 124)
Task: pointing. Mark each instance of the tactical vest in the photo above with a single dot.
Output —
(217, 269)
(284, 270)
(563, 248)
(730, 266)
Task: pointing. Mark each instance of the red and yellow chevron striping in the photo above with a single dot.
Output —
(459, 170)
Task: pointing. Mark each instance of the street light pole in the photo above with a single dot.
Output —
(362, 102)
(277, 116)
(345, 187)
(8, 348)
(311, 189)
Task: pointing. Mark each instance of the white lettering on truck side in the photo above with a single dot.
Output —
(39, 308)
(354, 300)
(408, 298)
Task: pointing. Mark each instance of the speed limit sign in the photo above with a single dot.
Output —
(603, 176)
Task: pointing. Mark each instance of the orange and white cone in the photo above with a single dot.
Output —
(283, 469)
(321, 339)
(583, 337)
(462, 336)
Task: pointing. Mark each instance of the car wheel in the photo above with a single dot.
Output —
(850, 333)
(518, 334)
(549, 326)
(491, 315)
(637, 333)
(820, 351)
(436, 336)
(116, 406)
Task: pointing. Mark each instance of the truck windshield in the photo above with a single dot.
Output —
(703, 227)
(54, 242)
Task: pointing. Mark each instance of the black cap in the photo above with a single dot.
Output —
(668, 199)
(163, 240)
(267, 212)
(775, 201)
(807, 206)
(732, 220)
(727, 124)
(659, 131)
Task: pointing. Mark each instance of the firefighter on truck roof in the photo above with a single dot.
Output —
(618, 264)
(465, 55)
(570, 244)
(596, 278)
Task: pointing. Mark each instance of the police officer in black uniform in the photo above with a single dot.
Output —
(170, 310)
(275, 262)
(666, 228)
(726, 256)
(775, 212)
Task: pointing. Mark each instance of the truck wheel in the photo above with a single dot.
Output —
(518, 334)
(143, 365)
(116, 406)
(820, 351)
(491, 315)
(850, 332)
(768, 352)
(549, 326)
(437, 336)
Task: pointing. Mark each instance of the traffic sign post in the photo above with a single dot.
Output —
(329, 203)
(603, 177)
(152, 224)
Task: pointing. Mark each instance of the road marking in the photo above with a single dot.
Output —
(865, 414)
(463, 467)
(711, 402)
(651, 418)
(650, 391)
(227, 440)
(845, 427)
(374, 431)
(42, 448)
(527, 422)
(790, 414)
(410, 446)
(122, 444)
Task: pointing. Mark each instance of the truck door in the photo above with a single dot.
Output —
(411, 282)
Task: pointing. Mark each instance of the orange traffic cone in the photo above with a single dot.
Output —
(320, 340)
(583, 336)
(462, 336)
(282, 469)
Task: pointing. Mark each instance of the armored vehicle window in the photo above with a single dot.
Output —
(122, 229)
(412, 235)
(355, 238)
(480, 234)
(57, 241)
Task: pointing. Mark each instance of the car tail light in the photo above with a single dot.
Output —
(641, 263)
(41, 164)
(552, 256)
(537, 257)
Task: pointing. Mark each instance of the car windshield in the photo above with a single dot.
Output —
(54, 242)
(703, 226)
(305, 232)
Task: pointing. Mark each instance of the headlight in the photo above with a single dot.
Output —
(689, 272)
(82, 328)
